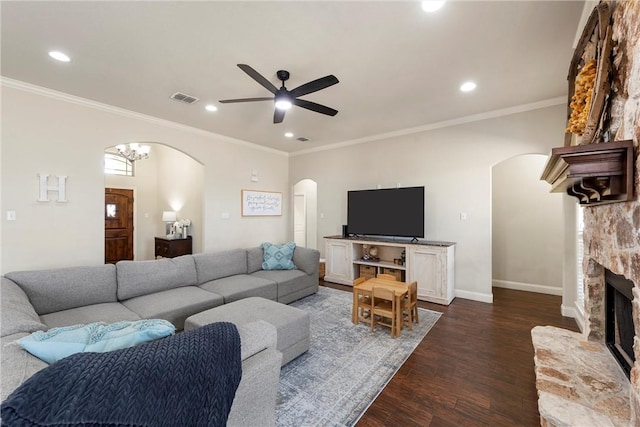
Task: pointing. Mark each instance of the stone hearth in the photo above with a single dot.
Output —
(579, 382)
(566, 382)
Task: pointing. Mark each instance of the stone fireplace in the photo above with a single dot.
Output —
(619, 328)
(612, 242)
(576, 371)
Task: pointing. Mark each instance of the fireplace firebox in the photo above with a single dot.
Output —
(619, 331)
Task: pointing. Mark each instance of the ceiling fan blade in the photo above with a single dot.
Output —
(314, 86)
(227, 101)
(318, 108)
(258, 77)
(278, 115)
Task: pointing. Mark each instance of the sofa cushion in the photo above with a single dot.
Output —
(109, 312)
(65, 288)
(255, 257)
(211, 266)
(174, 305)
(58, 343)
(278, 257)
(242, 286)
(136, 278)
(17, 365)
(289, 281)
(17, 312)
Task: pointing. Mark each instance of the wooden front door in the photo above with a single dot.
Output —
(118, 225)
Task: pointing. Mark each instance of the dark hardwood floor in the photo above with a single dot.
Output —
(474, 368)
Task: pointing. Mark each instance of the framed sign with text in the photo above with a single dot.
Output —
(261, 203)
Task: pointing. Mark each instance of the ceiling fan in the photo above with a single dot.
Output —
(285, 98)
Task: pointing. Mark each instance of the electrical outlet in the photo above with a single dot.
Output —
(463, 216)
(11, 215)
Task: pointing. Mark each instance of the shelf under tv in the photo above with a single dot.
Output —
(381, 263)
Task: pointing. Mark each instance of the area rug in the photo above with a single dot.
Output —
(347, 365)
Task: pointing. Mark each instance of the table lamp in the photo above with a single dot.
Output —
(169, 217)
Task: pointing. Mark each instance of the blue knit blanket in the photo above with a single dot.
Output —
(188, 379)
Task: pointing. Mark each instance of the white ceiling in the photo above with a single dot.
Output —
(398, 67)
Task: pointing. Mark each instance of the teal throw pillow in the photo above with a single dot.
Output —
(278, 257)
(100, 337)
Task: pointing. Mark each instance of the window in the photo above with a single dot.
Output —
(117, 165)
(580, 255)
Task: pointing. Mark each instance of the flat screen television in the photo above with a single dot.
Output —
(395, 212)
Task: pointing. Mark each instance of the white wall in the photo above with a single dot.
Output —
(453, 163)
(570, 273)
(49, 132)
(180, 188)
(528, 240)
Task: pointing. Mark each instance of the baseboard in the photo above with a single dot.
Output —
(528, 287)
(567, 311)
(574, 313)
(475, 296)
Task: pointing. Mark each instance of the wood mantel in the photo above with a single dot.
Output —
(593, 173)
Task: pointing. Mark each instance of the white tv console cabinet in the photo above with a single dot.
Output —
(431, 264)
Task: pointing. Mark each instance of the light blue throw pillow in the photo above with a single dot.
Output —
(100, 337)
(278, 257)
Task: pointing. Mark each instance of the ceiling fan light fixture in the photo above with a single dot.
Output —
(283, 104)
(283, 98)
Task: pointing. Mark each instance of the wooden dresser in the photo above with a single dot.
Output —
(170, 248)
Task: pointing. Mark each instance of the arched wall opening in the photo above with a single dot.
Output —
(169, 180)
(305, 217)
(527, 227)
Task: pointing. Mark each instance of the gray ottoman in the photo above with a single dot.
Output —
(291, 323)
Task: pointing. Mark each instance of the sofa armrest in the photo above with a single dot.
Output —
(255, 401)
(255, 337)
(306, 259)
(17, 314)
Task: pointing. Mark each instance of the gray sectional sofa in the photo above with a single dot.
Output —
(170, 289)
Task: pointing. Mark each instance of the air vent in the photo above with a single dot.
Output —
(179, 96)
(302, 139)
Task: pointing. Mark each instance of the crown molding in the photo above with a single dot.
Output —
(62, 96)
(439, 125)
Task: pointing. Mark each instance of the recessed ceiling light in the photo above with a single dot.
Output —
(59, 56)
(467, 86)
(211, 107)
(432, 5)
(289, 134)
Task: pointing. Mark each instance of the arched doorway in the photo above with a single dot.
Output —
(527, 227)
(305, 221)
(169, 180)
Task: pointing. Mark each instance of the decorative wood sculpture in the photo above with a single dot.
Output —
(594, 44)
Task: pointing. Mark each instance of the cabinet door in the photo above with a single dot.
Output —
(338, 262)
(425, 267)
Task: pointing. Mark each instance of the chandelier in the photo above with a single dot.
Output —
(133, 151)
